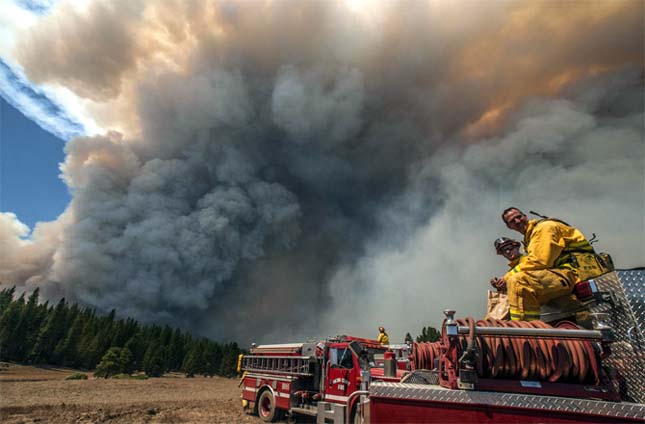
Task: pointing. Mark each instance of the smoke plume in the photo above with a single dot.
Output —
(280, 169)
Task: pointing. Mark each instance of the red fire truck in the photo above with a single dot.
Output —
(318, 379)
(480, 371)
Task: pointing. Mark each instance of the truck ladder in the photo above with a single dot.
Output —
(291, 365)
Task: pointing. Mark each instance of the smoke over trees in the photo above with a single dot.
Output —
(307, 168)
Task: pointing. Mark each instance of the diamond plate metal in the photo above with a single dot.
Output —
(512, 400)
(633, 282)
(421, 377)
(627, 352)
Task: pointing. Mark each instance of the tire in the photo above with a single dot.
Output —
(266, 407)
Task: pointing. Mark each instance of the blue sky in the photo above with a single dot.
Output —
(29, 159)
(35, 122)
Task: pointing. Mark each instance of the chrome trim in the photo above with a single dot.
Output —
(271, 377)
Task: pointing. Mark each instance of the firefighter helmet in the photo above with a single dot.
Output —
(502, 242)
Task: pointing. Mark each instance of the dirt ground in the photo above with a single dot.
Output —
(35, 394)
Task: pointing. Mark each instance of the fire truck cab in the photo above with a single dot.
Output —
(320, 379)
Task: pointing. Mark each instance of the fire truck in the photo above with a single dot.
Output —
(479, 371)
(321, 379)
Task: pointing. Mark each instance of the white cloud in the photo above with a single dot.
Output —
(54, 108)
(37, 105)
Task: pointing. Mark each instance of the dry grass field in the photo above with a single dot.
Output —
(33, 394)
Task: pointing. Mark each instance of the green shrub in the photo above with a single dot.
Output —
(115, 361)
(77, 376)
(121, 376)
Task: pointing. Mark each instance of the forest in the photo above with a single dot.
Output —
(63, 334)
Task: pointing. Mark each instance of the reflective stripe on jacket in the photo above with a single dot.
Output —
(514, 266)
(524, 315)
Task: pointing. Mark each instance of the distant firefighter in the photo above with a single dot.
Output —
(383, 338)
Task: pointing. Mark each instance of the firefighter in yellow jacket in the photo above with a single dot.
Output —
(510, 249)
(383, 338)
(548, 270)
(498, 306)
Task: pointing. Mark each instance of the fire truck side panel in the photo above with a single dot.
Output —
(283, 393)
(390, 410)
(402, 402)
(280, 387)
(249, 389)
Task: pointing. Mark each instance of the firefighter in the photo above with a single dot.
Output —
(498, 307)
(548, 270)
(239, 363)
(383, 338)
(510, 249)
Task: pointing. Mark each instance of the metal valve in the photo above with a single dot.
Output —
(451, 324)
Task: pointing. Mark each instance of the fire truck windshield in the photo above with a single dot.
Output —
(341, 357)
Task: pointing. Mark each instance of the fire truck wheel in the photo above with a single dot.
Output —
(266, 407)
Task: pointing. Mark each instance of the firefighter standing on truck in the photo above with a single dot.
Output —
(383, 338)
(551, 266)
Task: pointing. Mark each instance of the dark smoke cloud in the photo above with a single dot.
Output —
(291, 169)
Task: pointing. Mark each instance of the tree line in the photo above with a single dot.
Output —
(428, 334)
(74, 336)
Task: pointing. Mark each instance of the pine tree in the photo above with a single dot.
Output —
(429, 334)
(174, 351)
(212, 361)
(67, 349)
(70, 319)
(10, 340)
(190, 365)
(126, 361)
(102, 342)
(50, 334)
(6, 297)
(164, 344)
(408, 338)
(84, 355)
(120, 334)
(27, 327)
(138, 349)
(228, 367)
(153, 362)
(93, 352)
